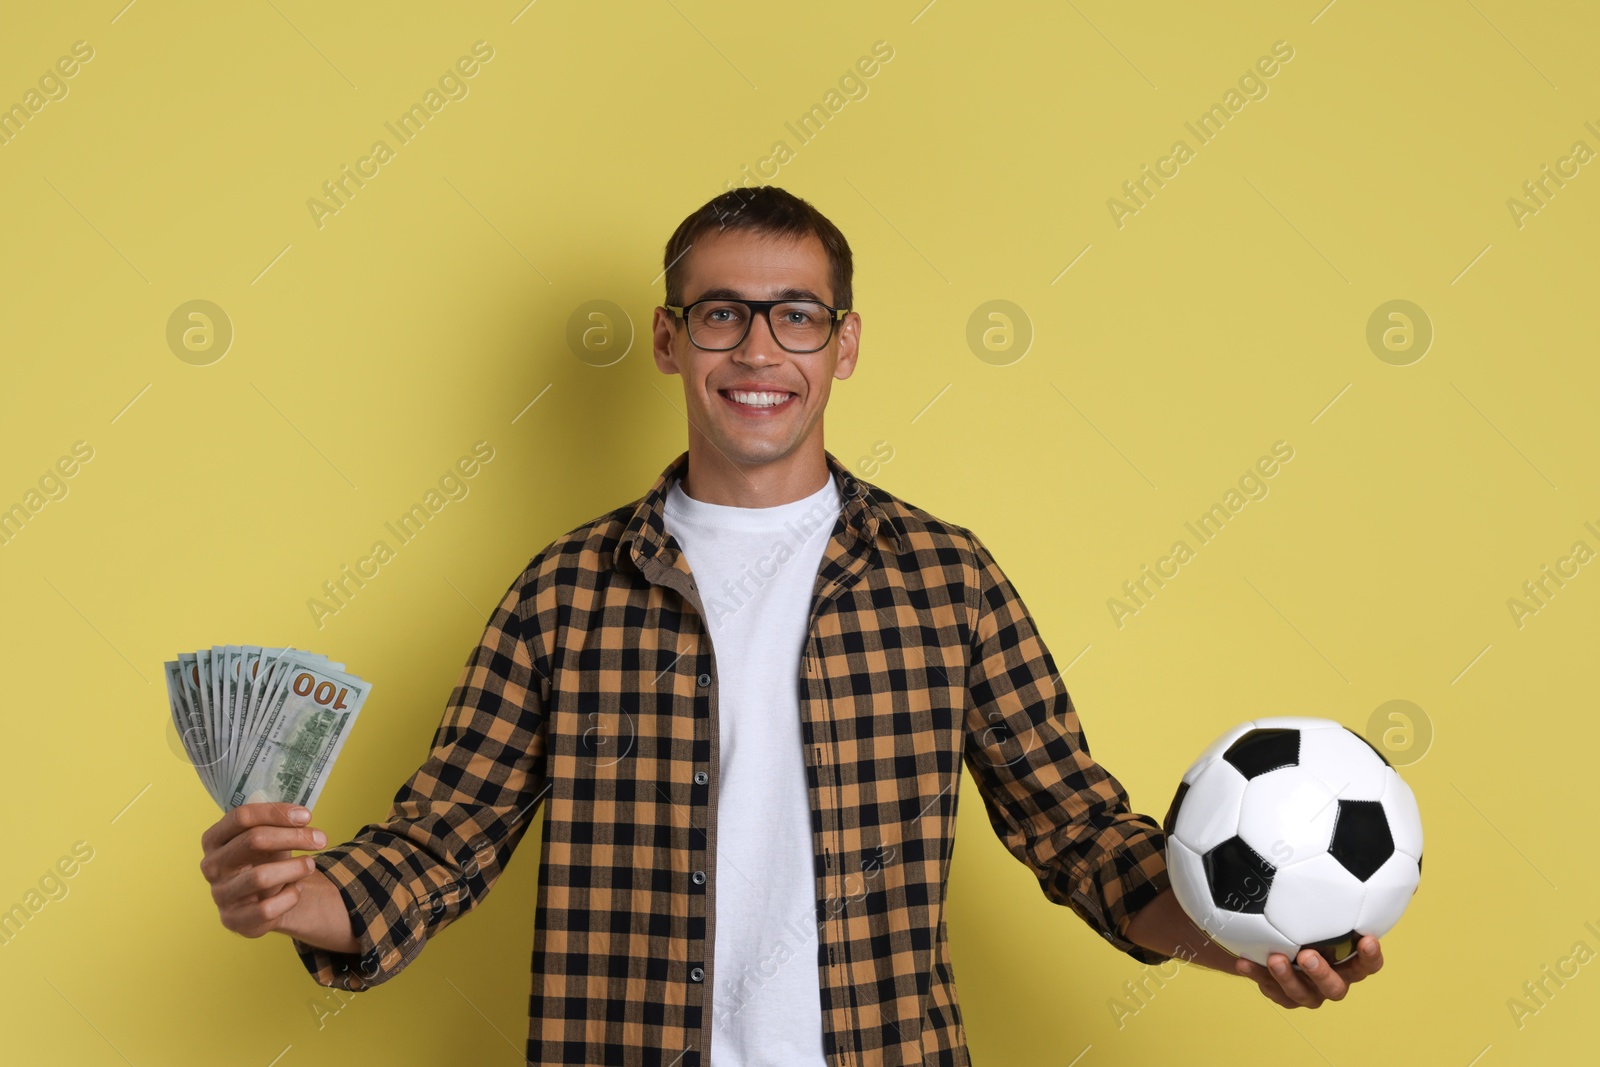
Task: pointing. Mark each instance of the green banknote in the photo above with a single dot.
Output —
(262, 723)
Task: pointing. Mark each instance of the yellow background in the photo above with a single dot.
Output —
(1229, 313)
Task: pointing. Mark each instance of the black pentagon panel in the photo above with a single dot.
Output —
(1361, 838)
(1170, 823)
(1378, 751)
(1336, 949)
(1260, 751)
(1238, 876)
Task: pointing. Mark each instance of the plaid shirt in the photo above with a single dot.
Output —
(594, 690)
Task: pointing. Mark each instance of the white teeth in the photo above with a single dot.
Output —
(759, 400)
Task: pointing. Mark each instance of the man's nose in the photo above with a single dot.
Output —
(759, 340)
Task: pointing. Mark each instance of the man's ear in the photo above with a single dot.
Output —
(663, 332)
(849, 346)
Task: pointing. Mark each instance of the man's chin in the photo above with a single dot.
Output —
(754, 453)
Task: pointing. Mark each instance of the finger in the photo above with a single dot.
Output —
(261, 916)
(258, 844)
(261, 880)
(247, 815)
(1265, 982)
(1274, 992)
(1368, 960)
(1257, 972)
(1292, 985)
(1369, 955)
(1329, 983)
(270, 885)
(262, 843)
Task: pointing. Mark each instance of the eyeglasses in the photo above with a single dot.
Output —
(720, 323)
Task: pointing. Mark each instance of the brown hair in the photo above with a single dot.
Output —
(763, 209)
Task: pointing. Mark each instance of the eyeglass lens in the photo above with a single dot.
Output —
(798, 325)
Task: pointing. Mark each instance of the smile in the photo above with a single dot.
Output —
(762, 403)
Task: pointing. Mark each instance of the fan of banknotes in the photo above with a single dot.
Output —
(262, 724)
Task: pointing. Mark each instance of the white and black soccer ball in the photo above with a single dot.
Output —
(1291, 833)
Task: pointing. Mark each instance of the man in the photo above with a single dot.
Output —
(748, 766)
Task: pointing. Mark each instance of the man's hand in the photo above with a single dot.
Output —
(1316, 981)
(1162, 925)
(256, 880)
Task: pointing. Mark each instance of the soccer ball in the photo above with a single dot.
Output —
(1293, 833)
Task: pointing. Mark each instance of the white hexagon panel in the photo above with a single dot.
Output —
(1314, 900)
(1345, 763)
(1208, 810)
(1388, 892)
(1405, 821)
(1251, 936)
(1287, 816)
(1188, 879)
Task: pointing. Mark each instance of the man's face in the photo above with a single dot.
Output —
(755, 266)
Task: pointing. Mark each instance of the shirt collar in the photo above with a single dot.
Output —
(863, 512)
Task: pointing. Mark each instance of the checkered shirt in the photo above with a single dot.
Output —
(593, 693)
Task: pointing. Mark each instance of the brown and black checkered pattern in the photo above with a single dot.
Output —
(594, 690)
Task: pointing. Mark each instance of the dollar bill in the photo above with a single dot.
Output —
(185, 720)
(262, 723)
(194, 734)
(298, 732)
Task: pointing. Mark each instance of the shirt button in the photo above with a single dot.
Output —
(704, 680)
(700, 777)
(699, 877)
(696, 975)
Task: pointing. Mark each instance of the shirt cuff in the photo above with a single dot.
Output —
(384, 917)
(1128, 877)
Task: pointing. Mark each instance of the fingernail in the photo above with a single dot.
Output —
(311, 865)
(318, 838)
(1312, 964)
(1280, 968)
(299, 816)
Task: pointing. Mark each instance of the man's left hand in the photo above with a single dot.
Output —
(1316, 981)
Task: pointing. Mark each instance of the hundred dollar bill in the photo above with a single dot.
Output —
(297, 733)
(219, 733)
(195, 685)
(202, 702)
(202, 698)
(242, 664)
(205, 662)
(191, 733)
(263, 676)
(228, 685)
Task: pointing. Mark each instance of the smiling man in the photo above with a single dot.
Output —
(744, 702)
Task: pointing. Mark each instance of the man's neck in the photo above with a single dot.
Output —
(715, 479)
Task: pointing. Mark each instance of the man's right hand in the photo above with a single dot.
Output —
(259, 885)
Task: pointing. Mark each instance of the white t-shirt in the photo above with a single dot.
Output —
(755, 569)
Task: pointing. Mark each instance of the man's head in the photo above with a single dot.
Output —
(756, 244)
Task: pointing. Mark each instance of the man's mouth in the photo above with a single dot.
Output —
(763, 402)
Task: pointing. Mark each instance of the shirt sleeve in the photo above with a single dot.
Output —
(454, 823)
(1054, 808)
